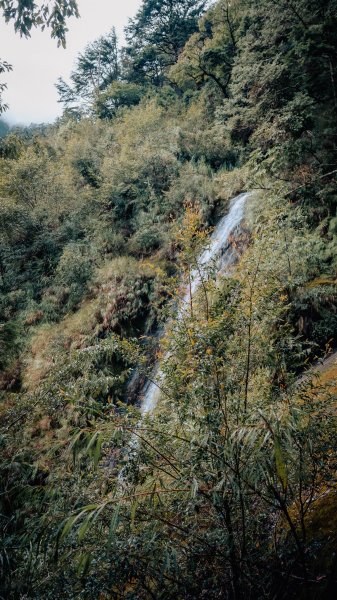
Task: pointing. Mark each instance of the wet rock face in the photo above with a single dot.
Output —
(136, 384)
(236, 244)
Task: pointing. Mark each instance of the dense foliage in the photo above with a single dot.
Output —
(229, 489)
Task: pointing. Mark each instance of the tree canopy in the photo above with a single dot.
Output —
(156, 36)
(96, 68)
(26, 15)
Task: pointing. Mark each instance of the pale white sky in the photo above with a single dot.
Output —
(37, 62)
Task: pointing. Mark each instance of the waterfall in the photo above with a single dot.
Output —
(219, 253)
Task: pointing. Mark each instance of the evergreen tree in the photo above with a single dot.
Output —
(96, 68)
(156, 37)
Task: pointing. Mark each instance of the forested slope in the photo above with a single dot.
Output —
(231, 492)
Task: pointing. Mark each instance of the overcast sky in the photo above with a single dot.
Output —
(37, 62)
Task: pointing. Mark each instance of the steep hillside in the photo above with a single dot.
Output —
(228, 489)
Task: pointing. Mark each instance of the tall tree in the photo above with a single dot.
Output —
(157, 35)
(96, 68)
(283, 93)
(209, 53)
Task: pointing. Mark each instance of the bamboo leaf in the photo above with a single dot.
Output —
(75, 439)
(85, 526)
(92, 441)
(114, 524)
(72, 520)
(69, 524)
(84, 564)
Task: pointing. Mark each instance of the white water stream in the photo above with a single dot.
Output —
(220, 255)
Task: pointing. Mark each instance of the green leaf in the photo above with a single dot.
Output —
(92, 440)
(84, 564)
(85, 526)
(69, 524)
(72, 520)
(114, 524)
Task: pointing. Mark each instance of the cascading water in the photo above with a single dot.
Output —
(219, 253)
